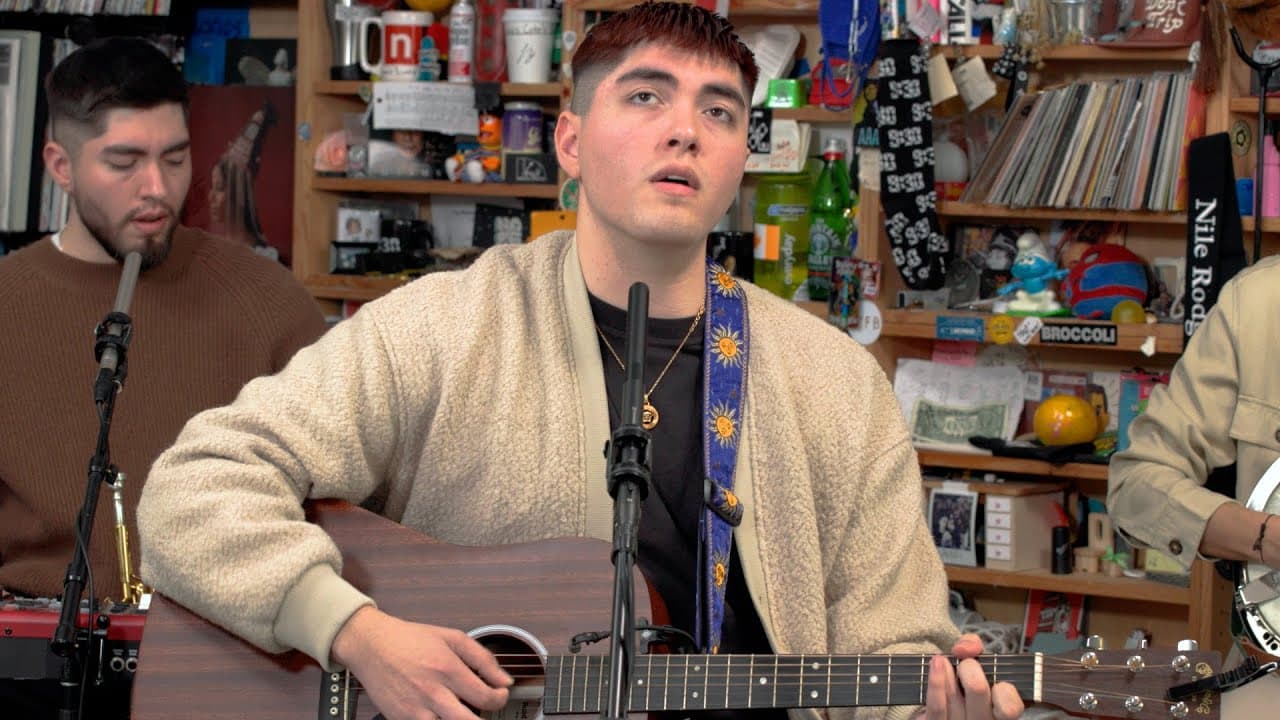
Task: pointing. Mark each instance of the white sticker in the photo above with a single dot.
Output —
(448, 108)
(869, 323)
(869, 168)
(1028, 329)
(568, 39)
(1148, 346)
(976, 86)
(941, 86)
(1034, 388)
(925, 21)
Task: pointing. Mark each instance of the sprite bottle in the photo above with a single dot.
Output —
(830, 221)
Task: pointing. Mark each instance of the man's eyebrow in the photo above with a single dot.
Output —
(134, 150)
(647, 73)
(721, 90)
(728, 92)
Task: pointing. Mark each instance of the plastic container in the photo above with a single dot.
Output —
(781, 239)
(462, 42)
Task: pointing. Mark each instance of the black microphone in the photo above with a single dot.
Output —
(115, 331)
(637, 327)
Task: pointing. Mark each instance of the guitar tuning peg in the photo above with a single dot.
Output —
(1135, 663)
(1133, 704)
(1095, 642)
(1188, 645)
(1179, 710)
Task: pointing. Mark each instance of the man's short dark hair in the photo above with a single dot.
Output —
(106, 74)
(674, 24)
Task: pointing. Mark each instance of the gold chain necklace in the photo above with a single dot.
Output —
(649, 415)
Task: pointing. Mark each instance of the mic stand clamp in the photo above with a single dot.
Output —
(119, 341)
(628, 475)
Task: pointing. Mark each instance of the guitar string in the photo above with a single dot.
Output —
(739, 683)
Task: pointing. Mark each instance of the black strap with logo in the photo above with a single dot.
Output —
(1215, 251)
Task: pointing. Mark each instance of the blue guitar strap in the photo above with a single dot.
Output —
(724, 360)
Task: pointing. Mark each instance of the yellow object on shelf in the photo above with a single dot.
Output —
(1065, 420)
(435, 6)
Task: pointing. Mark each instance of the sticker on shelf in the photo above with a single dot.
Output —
(1148, 346)
(1078, 334)
(1001, 329)
(869, 323)
(1027, 329)
(958, 327)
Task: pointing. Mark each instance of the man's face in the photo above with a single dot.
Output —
(661, 150)
(129, 183)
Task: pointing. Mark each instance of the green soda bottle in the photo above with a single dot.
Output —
(830, 224)
(781, 238)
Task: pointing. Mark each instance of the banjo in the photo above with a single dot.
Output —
(1257, 585)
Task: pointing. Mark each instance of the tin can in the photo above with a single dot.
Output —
(521, 127)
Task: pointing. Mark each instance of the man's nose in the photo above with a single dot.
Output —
(151, 179)
(683, 133)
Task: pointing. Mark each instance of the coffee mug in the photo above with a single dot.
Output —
(402, 33)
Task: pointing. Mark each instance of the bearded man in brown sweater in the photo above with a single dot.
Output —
(209, 315)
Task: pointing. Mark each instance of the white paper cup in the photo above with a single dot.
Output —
(529, 39)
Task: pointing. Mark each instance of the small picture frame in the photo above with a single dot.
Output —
(953, 519)
(358, 225)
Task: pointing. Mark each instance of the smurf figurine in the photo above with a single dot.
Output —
(1032, 270)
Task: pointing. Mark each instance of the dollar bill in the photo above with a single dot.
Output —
(936, 423)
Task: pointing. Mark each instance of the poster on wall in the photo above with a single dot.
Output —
(242, 165)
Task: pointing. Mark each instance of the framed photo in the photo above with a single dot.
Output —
(358, 225)
(953, 519)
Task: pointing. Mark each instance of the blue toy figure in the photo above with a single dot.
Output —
(1032, 270)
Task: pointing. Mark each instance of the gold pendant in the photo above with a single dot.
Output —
(649, 416)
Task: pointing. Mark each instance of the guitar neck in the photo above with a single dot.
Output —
(578, 684)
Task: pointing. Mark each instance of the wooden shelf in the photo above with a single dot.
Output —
(351, 287)
(1095, 584)
(1077, 52)
(814, 114)
(1269, 224)
(1129, 337)
(955, 208)
(434, 187)
(1089, 478)
(1250, 105)
(360, 88)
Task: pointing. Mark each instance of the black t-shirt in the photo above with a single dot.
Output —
(668, 537)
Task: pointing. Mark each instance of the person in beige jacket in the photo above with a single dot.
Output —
(1222, 406)
(434, 396)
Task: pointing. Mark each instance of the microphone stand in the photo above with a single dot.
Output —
(629, 471)
(1262, 72)
(113, 336)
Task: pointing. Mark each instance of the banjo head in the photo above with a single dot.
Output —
(1263, 619)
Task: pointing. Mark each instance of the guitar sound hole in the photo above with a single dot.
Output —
(524, 659)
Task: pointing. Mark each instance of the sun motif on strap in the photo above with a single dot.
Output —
(720, 574)
(725, 283)
(725, 344)
(730, 499)
(724, 424)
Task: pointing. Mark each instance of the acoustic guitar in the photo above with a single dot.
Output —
(526, 602)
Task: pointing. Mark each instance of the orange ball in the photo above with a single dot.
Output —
(1065, 420)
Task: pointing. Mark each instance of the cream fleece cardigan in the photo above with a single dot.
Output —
(430, 394)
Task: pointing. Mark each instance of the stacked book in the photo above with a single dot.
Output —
(1114, 144)
(89, 7)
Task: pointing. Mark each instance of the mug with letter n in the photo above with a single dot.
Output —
(402, 34)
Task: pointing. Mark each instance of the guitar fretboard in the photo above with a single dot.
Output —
(579, 684)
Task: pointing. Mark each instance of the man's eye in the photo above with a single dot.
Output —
(644, 97)
(120, 165)
(721, 114)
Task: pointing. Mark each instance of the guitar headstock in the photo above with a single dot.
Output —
(1132, 684)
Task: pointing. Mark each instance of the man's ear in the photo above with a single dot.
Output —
(567, 134)
(57, 160)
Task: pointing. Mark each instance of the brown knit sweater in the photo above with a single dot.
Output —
(209, 318)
